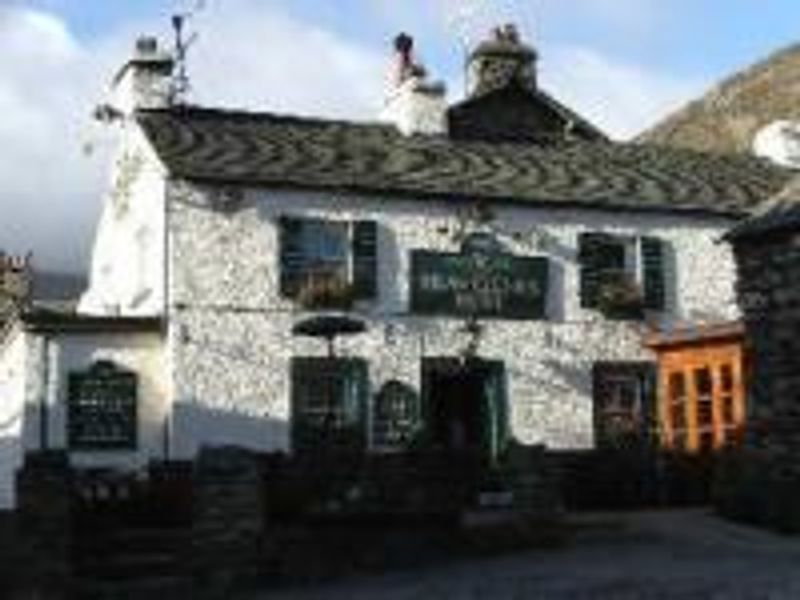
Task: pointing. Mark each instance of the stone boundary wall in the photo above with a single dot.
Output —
(234, 538)
(44, 524)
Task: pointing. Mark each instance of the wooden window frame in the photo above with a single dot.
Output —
(305, 369)
(642, 265)
(322, 283)
(643, 373)
(687, 361)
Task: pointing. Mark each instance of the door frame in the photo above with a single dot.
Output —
(496, 368)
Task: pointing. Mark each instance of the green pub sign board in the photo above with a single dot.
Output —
(479, 283)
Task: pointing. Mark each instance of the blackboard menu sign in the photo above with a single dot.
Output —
(102, 408)
(479, 283)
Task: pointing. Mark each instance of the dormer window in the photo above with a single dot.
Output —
(326, 263)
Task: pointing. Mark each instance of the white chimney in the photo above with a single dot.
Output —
(414, 104)
(146, 79)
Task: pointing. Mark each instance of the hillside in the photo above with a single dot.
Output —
(727, 118)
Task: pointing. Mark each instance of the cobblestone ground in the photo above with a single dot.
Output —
(648, 555)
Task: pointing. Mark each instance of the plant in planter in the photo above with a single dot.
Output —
(325, 291)
(620, 296)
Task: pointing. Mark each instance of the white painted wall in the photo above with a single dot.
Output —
(13, 354)
(230, 333)
(127, 269)
(142, 353)
(34, 370)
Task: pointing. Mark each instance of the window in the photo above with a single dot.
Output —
(101, 408)
(623, 401)
(704, 402)
(328, 404)
(397, 415)
(621, 276)
(678, 406)
(328, 264)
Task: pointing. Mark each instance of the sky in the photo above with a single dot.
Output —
(624, 64)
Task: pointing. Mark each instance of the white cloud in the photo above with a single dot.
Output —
(622, 99)
(252, 56)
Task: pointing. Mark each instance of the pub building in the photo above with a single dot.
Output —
(470, 274)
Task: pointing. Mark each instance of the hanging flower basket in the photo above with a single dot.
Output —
(325, 291)
(620, 296)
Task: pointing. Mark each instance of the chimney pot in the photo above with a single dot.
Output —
(146, 46)
(501, 60)
(145, 80)
(414, 104)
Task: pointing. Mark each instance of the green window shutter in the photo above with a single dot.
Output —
(292, 259)
(544, 277)
(597, 253)
(365, 260)
(497, 431)
(652, 253)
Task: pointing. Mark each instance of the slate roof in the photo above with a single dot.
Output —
(780, 215)
(264, 149)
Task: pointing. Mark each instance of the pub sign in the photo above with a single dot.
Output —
(479, 282)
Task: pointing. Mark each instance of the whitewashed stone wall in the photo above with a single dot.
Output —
(34, 371)
(127, 270)
(142, 353)
(13, 354)
(230, 332)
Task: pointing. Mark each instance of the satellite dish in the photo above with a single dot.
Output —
(779, 142)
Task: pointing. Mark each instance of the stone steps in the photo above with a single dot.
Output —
(130, 563)
(139, 589)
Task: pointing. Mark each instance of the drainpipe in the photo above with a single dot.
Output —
(167, 321)
(44, 413)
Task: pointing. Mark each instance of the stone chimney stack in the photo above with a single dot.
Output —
(415, 105)
(501, 61)
(145, 81)
(16, 282)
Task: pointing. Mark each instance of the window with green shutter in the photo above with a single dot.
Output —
(329, 399)
(602, 257)
(328, 263)
(621, 275)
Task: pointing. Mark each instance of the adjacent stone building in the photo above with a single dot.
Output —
(765, 483)
(459, 276)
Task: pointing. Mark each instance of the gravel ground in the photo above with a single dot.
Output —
(686, 554)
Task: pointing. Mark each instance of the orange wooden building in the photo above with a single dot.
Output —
(702, 373)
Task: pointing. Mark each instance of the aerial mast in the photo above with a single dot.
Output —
(181, 82)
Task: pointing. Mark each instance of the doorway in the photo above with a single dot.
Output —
(465, 406)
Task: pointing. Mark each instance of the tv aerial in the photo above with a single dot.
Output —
(181, 83)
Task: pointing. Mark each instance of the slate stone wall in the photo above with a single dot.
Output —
(44, 513)
(762, 482)
(769, 294)
(228, 519)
